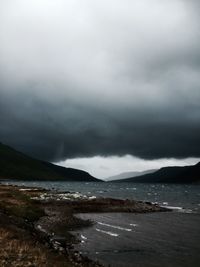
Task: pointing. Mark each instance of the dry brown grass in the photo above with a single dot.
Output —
(17, 247)
(16, 252)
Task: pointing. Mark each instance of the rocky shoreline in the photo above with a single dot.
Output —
(46, 218)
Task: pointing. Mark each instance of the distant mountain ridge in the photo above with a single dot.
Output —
(186, 174)
(18, 166)
(130, 174)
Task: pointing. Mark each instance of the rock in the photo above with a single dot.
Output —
(58, 239)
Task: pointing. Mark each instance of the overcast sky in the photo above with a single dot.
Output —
(101, 79)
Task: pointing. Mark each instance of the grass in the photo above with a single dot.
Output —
(21, 245)
(16, 252)
(14, 202)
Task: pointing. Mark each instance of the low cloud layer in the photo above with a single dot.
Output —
(105, 167)
(85, 78)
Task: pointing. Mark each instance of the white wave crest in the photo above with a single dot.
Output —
(133, 224)
(115, 226)
(83, 237)
(107, 232)
(172, 207)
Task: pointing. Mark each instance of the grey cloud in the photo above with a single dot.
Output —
(97, 78)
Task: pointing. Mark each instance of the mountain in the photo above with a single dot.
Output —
(125, 175)
(16, 165)
(186, 174)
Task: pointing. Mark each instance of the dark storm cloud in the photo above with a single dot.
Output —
(98, 78)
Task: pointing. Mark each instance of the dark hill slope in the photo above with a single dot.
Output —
(125, 175)
(16, 165)
(187, 174)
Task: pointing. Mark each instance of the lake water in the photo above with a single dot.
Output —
(186, 196)
(142, 240)
(170, 239)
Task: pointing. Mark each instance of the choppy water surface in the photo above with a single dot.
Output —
(143, 240)
(187, 196)
(169, 239)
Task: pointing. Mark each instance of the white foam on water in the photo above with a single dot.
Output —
(165, 203)
(107, 232)
(186, 211)
(29, 189)
(172, 207)
(83, 237)
(179, 209)
(115, 226)
(133, 224)
(131, 188)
